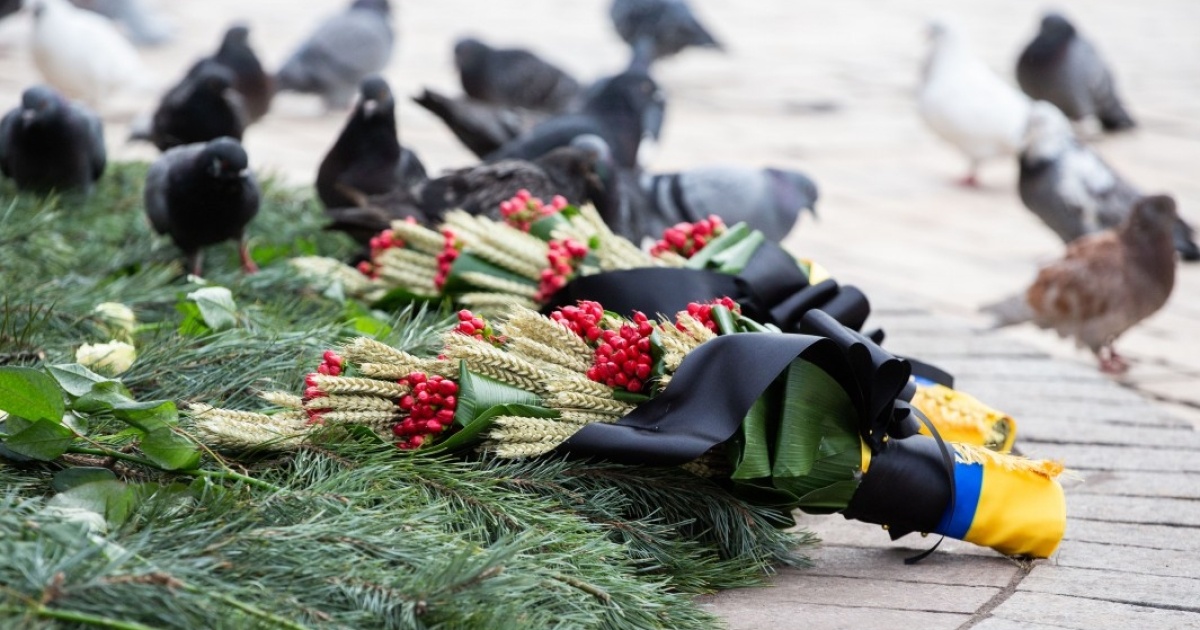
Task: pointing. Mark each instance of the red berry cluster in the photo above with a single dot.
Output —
(686, 239)
(445, 259)
(379, 243)
(332, 364)
(473, 325)
(703, 312)
(430, 407)
(623, 357)
(523, 209)
(564, 256)
(583, 320)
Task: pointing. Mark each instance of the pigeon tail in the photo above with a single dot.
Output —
(1185, 242)
(1115, 118)
(1009, 311)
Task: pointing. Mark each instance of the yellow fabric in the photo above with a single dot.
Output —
(866, 456)
(962, 419)
(816, 273)
(1021, 512)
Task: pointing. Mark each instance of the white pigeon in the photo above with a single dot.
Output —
(967, 104)
(82, 53)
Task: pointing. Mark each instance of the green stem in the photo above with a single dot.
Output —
(249, 609)
(227, 475)
(78, 617)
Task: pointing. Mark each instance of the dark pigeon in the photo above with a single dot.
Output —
(249, 78)
(1061, 67)
(203, 106)
(367, 159)
(1070, 188)
(623, 111)
(766, 199)
(50, 143)
(9, 7)
(512, 77)
(481, 127)
(202, 194)
(344, 50)
(143, 26)
(656, 29)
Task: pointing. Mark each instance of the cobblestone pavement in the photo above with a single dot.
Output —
(827, 87)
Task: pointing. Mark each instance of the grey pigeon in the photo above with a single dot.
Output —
(9, 7)
(202, 194)
(1061, 67)
(1105, 284)
(49, 143)
(481, 127)
(512, 77)
(203, 106)
(1069, 187)
(367, 158)
(655, 29)
(624, 111)
(143, 26)
(249, 78)
(766, 199)
(343, 50)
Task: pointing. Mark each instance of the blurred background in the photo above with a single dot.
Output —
(827, 88)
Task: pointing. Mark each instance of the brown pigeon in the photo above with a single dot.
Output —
(1107, 283)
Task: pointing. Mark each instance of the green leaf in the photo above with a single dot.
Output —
(477, 393)
(734, 259)
(469, 434)
(217, 307)
(730, 237)
(76, 379)
(830, 499)
(192, 324)
(170, 450)
(31, 394)
(44, 440)
(400, 297)
(468, 262)
(111, 499)
(544, 227)
(754, 459)
(723, 317)
(71, 477)
(103, 396)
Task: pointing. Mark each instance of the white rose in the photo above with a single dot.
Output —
(117, 316)
(114, 357)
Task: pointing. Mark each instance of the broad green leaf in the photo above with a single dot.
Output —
(734, 259)
(468, 262)
(103, 396)
(754, 459)
(31, 394)
(477, 393)
(111, 499)
(732, 236)
(192, 324)
(469, 434)
(170, 450)
(75, 379)
(723, 317)
(544, 227)
(400, 297)
(216, 307)
(44, 440)
(830, 499)
(149, 416)
(71, 477)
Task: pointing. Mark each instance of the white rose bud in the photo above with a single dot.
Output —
(114, 357)
(117, 316)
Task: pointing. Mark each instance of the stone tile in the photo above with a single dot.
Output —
(996, 623)
(1133, 535)
(1125, 559)
(782, 613)
(1182, 513)
(1090, 614)
(1056, 431)
(1149, 590)
(1139, 484)
(1098, 457)
(800, 587)
(880, 564)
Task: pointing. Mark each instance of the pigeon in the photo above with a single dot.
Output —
(571, 171)
(1105, 284)
(367, 158)
(249, 79)
(656, 29)
(512, 77)
(968, 105)
(9, 7)
(1061, 67)
(49, 143)
(1069, 187)
(344, 50)
(201, 194)
(202, 107)
(143, 26)
(481, 127)
(766, 199)
(82, 54)
(624, 111)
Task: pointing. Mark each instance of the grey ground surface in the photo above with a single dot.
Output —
(827, 87)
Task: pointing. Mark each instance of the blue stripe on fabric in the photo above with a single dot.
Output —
(923, 382)
(968, 482)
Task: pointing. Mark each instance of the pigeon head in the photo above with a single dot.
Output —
(38, 102)
(1154, 214)
(211, 76)
(469, 53)
(1047, 134)
(378, 6)
(225, 159)
(237, 35)
(793, 192)
(375, 97)
(1055, 27)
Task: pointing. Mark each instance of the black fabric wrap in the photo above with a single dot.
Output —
(771, 289)
(906, 487)
(716, 384)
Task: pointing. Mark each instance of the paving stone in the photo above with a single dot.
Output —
(1090, 614)
(996, 623)
(1056, 431)
(880, 564)
(799, 587)
(1182, 513)
(783, 613)
(1133, 535)
(1125, 559)
(1150, 590)
(1100, 457)
(1134, 483)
